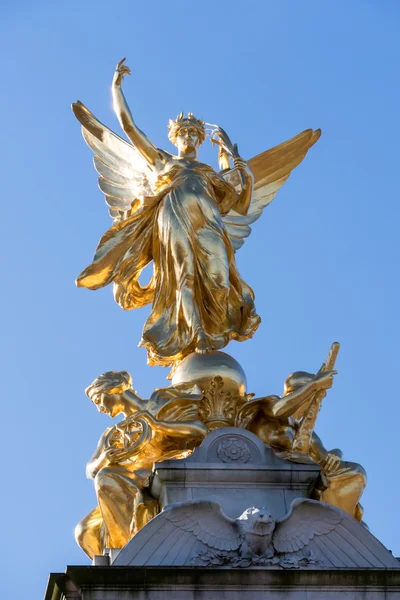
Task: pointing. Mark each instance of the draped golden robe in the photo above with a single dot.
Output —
(195, 285)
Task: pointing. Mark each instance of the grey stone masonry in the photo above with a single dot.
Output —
(161, 583)
(198, 549)
(234, 468)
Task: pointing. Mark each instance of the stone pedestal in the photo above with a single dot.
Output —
(234, 468)
(157, 583)
(339, 559)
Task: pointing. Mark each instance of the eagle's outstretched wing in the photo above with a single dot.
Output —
(172, 536)
(270, 169)
(305, 520)
(331, 535)
(124, 175)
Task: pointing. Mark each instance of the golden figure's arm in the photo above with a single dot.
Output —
(228, 150)
(287, 406)
(190, 429)
(329, 461)
(270, 170)
(136, 403)
(152, 155)
(244, 199)
(99, 458)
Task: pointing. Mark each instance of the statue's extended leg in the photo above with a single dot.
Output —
(145, 510)
(118, 492)
(345, 488)
(90, 534)
(345, 481)
(204, 271)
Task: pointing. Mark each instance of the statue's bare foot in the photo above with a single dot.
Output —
(202, 345)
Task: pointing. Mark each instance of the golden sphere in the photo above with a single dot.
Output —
(201, 369)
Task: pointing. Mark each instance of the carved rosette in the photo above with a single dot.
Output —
(233, 449)
(219, 407)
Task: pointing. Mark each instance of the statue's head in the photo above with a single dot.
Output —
(105, 391)
(187, 133)
(296, 380)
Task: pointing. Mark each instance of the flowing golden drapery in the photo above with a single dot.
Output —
(195, 285)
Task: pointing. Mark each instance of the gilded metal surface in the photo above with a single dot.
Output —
(166, 426)
(283, 422)
(188, 220)
(219, 406)
(201, 369)
(303, 437)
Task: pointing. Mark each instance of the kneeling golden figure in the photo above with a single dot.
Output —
(126, 452)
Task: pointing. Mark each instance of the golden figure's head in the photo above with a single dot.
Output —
(187, 133)
(296, 380)
(106, 389)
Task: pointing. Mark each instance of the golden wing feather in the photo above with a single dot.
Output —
(279, 161)
(270, 169)
(123, 173)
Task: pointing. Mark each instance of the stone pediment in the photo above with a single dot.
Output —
(204, 521)
(312, 535)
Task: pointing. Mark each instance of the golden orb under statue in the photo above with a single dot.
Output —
(201, 369)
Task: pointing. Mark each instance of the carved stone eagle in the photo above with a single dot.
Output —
(255, 537)
(199, 533)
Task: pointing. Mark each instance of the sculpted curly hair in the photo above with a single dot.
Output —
(111, 382)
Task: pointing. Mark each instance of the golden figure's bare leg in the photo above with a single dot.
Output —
(345, 488)
(190, 312)
(202, 345)
(89, 533)
(117, 494)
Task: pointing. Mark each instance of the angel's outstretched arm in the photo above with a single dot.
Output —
(243, 203)
(228, 150)
(152, 155)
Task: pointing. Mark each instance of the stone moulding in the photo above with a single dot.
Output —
(191, 583)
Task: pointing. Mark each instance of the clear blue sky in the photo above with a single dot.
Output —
(323, 260)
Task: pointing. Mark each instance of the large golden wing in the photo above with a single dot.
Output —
(270, 169)
(123, 173)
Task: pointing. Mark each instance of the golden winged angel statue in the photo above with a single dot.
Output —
(188, 220)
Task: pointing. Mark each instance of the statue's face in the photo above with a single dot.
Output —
(187, 140)
(107, 404)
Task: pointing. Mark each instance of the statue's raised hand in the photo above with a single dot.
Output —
(324, 379)
(120, 71)
(242, 165)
